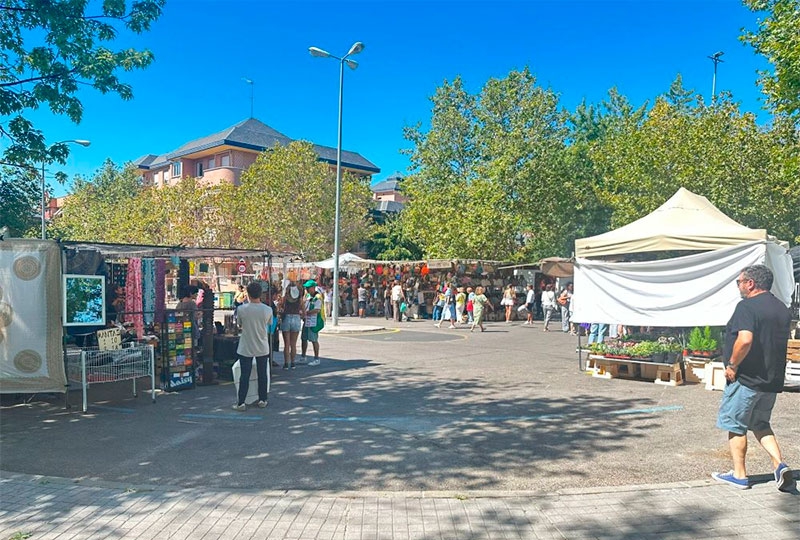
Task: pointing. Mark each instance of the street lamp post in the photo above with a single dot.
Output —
(352, 64)
(716, 58)
(81, 142)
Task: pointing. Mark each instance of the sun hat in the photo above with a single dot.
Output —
(310, 283)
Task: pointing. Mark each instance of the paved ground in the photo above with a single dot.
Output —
(412, 432)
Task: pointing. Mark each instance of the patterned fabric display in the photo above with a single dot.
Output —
(148, 290)
(161, 270)
(133, 296)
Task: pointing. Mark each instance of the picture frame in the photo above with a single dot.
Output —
(84, 300)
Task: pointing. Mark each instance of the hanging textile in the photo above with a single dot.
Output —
(133, 296)
(161, 288)
(148, 290)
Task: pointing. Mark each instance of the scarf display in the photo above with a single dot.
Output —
(161, 288)
(148, 290)
(133, 296)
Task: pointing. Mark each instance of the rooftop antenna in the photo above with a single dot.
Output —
(716, 58)
(252, 86)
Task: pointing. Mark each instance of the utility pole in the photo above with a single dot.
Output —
(716, 59)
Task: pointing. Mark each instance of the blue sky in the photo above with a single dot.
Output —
(580, 49)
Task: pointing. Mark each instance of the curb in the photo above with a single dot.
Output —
(299, 493)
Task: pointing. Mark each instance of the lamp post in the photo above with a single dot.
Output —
(252, 90)
(716, 58)
(352, 64)
(81, 142)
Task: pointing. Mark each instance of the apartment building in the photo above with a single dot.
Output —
(222, 157)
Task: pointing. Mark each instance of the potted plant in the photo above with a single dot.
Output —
(708, 345)
(695, 341)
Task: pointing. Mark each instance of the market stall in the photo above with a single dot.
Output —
(686, 290)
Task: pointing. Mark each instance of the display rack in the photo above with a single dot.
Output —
(177, 352)
(88, 366)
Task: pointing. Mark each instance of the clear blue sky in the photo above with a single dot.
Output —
(580, 49)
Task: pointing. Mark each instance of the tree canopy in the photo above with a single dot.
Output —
(285, 202)
(49, 49)
(778, 40)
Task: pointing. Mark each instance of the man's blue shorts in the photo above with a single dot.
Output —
(744, 409)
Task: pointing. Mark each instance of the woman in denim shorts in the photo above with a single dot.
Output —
(290, 307)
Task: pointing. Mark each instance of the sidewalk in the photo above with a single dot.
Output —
(57, 508)
(352, 325)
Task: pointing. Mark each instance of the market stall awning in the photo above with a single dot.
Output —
(347, 262)
(557, 267)
(184, 252)
(687, 221)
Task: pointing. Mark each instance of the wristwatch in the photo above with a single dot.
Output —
(734, 367)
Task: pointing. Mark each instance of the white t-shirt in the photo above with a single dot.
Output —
(397, 293)
(254, 318)
(548, 298)
(530, 298)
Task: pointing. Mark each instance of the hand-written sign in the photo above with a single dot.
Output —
(108, 340)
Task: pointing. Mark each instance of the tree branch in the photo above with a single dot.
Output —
(42, 78)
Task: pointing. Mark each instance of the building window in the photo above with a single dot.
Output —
(199, 169)
(211, 163)
(225, 160)
(176, 169)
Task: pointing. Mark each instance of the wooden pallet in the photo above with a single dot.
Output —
(793, 351)
(669, 375)
(695, 369)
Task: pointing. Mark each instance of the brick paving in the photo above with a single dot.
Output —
(63, 509)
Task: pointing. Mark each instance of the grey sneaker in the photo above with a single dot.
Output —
(263, 404)
(314, 362)
(240, 407)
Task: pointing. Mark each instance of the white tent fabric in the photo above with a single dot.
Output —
(31, 355)
(687, 221)
(347, 262)
(695, 290)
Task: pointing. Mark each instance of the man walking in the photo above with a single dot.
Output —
(530, 303)
(254, 318)
(755, 365)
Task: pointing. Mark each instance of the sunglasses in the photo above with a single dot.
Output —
(740, 281)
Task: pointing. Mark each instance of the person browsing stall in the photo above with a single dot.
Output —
(254, 317)
(313, 304)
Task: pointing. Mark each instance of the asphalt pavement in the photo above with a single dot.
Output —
(444, 433)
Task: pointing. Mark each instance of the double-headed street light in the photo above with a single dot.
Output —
(352, 64)
(716, 58)
(81, 142)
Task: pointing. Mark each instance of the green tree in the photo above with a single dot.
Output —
(748, 171)
(388, 243)
(48, 49)
(20, 197)
(492, 175)
(778, 40)
(286, 203)
(104, 208)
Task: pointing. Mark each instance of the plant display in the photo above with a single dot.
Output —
(702, 341)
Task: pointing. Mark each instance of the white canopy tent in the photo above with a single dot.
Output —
(694, 290)
(348, 262)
